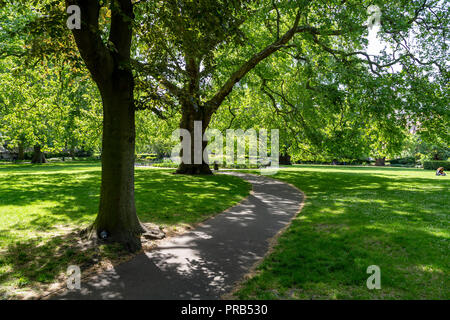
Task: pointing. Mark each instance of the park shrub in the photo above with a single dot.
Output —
(146, 156)
(165, 165)
(347, 162)
(240, 166)
(168, 164)
(433, 165)
(358, 162)
(404, 161)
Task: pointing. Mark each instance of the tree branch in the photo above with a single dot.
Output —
(121, 32)
(95, 54)
(158, 76)
(215, 102)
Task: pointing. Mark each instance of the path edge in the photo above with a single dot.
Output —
(273, 242)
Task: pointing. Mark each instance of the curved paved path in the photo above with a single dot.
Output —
(204, 263)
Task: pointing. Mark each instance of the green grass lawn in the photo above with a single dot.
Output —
(41, 204)
(355, 217)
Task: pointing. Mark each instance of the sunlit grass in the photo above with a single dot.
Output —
(41, 204)
(355, 217)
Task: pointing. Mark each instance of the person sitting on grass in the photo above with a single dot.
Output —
(440, 172)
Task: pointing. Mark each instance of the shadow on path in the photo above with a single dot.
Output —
(204, 263)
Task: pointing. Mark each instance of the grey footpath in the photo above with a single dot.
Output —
(204, 263)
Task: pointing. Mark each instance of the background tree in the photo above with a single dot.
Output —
(195, 53)
(44, 106)
(154, 135)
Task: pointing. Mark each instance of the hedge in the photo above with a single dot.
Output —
(232, 166)
(165, 165)
(407, 160)
(433, 165)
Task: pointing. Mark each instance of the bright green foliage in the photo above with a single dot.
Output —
(331, 101)
(419, 147)
(349, 101)
(46, 99)
(403, 161)
(154, 135)
(53, 106)
(332, 104)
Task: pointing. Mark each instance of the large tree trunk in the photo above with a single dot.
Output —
(72, 152)
(380, 161)
(38, 155)
(21, 154)
(117, 220)
(110, 67)
(285, 159)
(189, 116)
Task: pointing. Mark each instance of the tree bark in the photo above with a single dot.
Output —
(72, 152)
(380, 161)
(189, 116)
(285, 159)
(117, 212)
(38, 155)
(111, 70)
(21, 154)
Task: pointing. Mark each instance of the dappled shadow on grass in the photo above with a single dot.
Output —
(39, 207)
(46, 167)
(164, 198)
(45, 200)
(39, 211)
(30, 266)
(353, 220)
